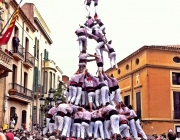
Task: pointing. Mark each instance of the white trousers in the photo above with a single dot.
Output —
(58, 125)
(82, 39)
(91, 95)
(67, 126)
(112, 57)
(51, 127)
(107, 129)
(67, 95)
(98, 47)
(85, 128)
(76, 130)
(139, 129)
(91, 128)
(112, 95)
(72, 93)
(98, 124)
(78, 96)
(133, 128)
(83, 98)
(97, 97)
(118, 97)
(124, 131)
(47, 126)
(104, 95)
(114, 119)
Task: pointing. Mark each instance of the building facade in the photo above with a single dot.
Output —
(149, 81)
(19, 83)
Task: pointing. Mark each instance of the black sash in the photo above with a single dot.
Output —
(102, 85)
(94, 32)
(96, 88)
(86, 121)
(100, 64)
(100, 119)
(68, 114)
(49, 116)
(93, 119)
(135, 118)
(82, 60)
(116, 87)
(89, 89)
(80, 34)
(111, 50)
(91, 25)
(67, 89)
(73, 83)
(51, 121)
(79, 84)
(59, 113)
(112, 112)
(101, 24)
(99, 40)
(77, 120)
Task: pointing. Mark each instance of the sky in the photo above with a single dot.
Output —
(130, 24)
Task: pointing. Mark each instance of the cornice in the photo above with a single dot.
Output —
(38, 22)
(41, 20)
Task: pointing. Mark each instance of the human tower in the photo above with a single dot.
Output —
(94, 107)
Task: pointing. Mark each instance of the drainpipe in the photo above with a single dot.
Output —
(23, 52)
(132, 90)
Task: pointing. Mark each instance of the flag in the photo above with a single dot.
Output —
(6, 36)
(1, 1)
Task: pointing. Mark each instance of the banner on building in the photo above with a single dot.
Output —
(6, 36)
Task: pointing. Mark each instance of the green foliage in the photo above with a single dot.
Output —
(59, 92)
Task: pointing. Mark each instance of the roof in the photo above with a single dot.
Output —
(157, 47)
(14, 4)
(59, 69)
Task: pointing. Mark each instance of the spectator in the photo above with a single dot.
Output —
(10, 136)
(12, 123)
(15, 42)
(2, 136)
(171, 136)
(15, 118)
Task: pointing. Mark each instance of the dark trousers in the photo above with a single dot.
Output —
(15, 48)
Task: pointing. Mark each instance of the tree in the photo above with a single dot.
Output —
(59, 92)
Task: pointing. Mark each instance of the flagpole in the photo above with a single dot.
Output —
(9, 19)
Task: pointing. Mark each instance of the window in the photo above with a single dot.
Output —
(119, 71)
(27, 29)
(112, 75)
(137, 61)
(12, 112)
(176, 59)
(35, 79)
(175, 78)
(138, 104)
(54, 79)
(127, 100)
(45, 83)
(16, 30)
(127, 67)
(14, 75)
(25, 81)
(34, 114)
(23, 117)
(178, 131)
(176, 97)
(50, 80)
(27, 45)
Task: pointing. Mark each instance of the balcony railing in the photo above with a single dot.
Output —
(176, 114)
(20, 51)
(5, 61)
(29, 58)
(21, 91)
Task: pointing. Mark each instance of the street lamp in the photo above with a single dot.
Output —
(42, 101)
(59, 100)
(52, 102)
(51, 93)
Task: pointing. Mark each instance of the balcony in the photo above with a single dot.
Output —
(20, 93)
(19, 55)
(5, 63)
(29, 60)
(176, 114)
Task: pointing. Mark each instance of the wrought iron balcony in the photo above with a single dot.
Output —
(5, 63)
(21, 93)
(19, 54)
(176, 114)
(29, 60)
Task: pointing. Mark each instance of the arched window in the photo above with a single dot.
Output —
(127, 67)
(137, 61)
(12, 112)
(119, 71)
(23, 117)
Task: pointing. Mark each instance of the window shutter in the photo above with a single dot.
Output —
(35, 79)
(138, 104)
(23, 117)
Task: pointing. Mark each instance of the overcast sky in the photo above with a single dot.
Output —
(130, 24)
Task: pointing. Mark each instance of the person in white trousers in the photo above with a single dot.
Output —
(49, 125)
(137, 123)
(99, 125)
(88, 4)
(77, 123)
(114, 119)
(123, 127)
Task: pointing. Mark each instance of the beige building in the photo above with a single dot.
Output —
(5, 64)
(19, 83)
